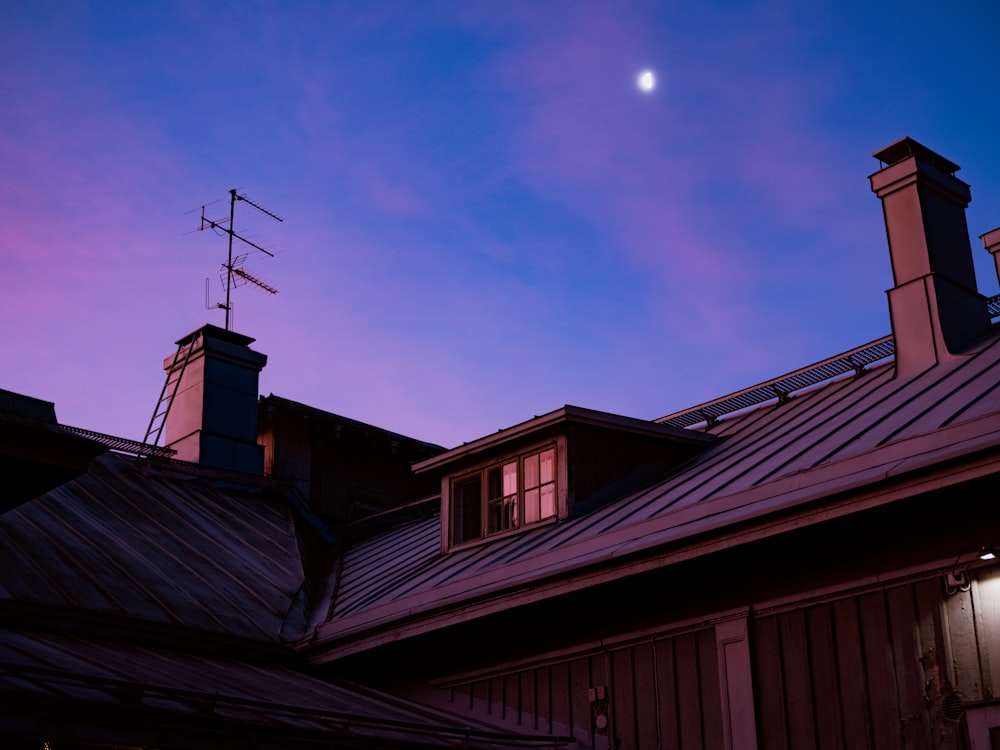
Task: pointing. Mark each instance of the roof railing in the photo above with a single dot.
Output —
(856, 360)
(120, 444)
(779, 388)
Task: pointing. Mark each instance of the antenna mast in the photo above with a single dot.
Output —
(234, 273)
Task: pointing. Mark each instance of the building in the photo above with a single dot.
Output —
(805, 563)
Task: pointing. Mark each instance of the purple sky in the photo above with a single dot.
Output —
(485, 219)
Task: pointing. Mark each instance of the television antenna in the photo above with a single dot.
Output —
(232, 272)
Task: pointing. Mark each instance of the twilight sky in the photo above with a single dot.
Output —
(485, 219)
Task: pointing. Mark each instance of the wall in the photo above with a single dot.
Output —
(890, 668)
(346, 469)
(893, 667)
(662, 692)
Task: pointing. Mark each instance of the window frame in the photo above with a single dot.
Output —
(498, 511)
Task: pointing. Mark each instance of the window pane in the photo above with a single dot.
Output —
(467, 509)
(531, 471)
(502, 480)
(502, 513)
(548, 465)
(548, 501)
(501, 497)
(494, 489)
(531, 507)
(510, 478)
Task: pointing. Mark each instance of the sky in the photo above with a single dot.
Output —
(484, 217)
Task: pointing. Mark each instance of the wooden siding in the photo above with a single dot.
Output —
(877, 668)
(661, 693)
(871, 671)
(346, 469)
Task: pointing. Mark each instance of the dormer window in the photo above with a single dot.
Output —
(504, 496)
(548, 469)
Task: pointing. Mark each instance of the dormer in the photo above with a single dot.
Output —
(550, 468)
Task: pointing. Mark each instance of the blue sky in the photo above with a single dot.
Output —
(485, 219)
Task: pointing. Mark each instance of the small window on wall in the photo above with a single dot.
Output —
(505, 496)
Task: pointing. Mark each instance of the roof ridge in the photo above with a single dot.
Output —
(854, 360)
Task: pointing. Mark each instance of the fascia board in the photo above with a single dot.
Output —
(565, 415)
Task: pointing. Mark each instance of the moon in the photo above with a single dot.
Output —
(646, 81)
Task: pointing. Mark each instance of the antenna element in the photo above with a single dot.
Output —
(232, 272)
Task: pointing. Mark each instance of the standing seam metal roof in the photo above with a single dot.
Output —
(253, 696)
(133, 539)
(847, 425)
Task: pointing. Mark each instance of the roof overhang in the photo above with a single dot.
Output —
(557, 420)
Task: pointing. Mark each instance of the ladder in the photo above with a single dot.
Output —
(170, 386)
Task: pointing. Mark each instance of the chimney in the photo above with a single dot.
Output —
(991, 241)
(935, 309)
(213, 418)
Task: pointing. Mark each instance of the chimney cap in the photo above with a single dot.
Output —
(214, 332)
(906, 147)
(991, 240)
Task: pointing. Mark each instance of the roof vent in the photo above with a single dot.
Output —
(934, 306)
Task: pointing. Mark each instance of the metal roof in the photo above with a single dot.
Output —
(120, 444)
(840, 435)
(854, 361)
(154, 541)
(216, 695)
(197, 576)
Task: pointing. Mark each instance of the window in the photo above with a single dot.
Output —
(504, 496)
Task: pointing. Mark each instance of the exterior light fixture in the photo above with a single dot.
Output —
(987, 552)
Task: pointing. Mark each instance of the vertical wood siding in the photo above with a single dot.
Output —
(660, 694)
(878, 671)
(871, 671)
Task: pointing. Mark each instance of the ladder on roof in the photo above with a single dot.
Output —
(170, 386)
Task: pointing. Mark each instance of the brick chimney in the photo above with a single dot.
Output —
(213, 418)
(935, 309)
